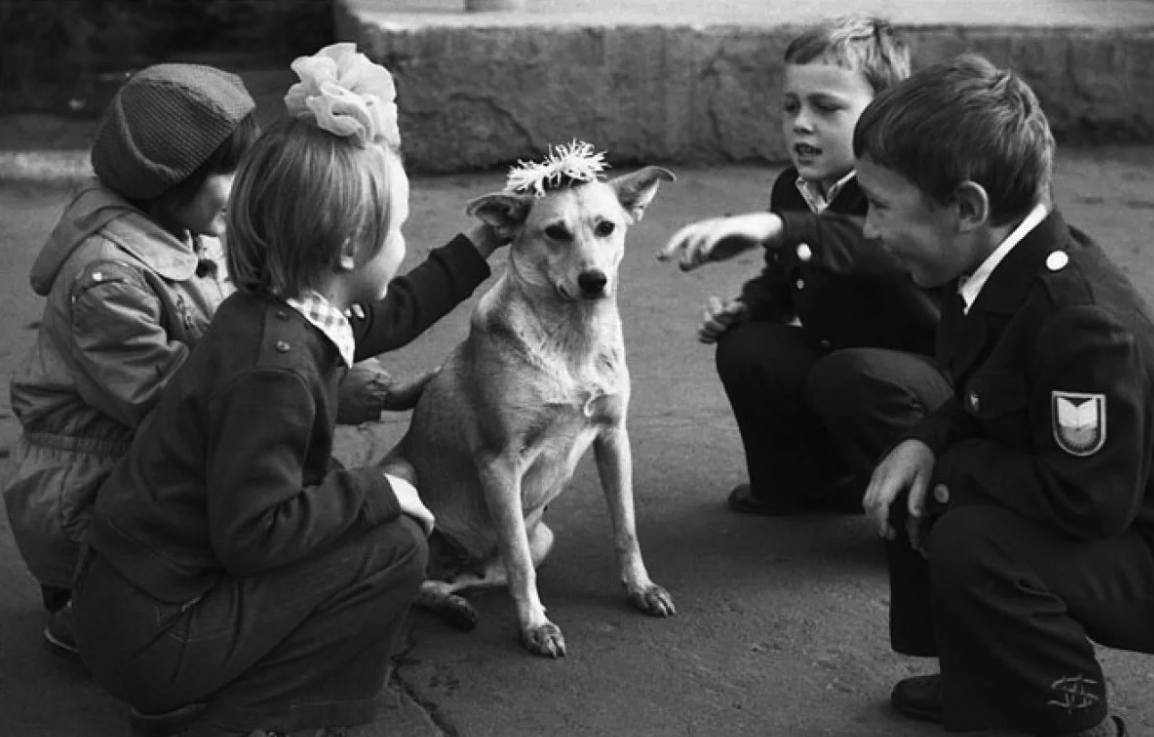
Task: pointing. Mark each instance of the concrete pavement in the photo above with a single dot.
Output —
(781, 624)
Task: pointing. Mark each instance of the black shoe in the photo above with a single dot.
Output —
(60, 634)
(919, 697)
(167, 724)
(844, 497)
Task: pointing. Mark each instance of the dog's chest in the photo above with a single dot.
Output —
(585, 387)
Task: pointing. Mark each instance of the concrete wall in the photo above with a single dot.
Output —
(478, 97)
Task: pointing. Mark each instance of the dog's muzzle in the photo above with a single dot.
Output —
(592, 283)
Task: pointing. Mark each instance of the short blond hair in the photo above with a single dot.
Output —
(299, 196)
(859, 42)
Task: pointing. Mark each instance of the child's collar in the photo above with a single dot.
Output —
(813, 196)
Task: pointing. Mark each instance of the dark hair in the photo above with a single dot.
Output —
(225, 159)
(863, 43)
(300, 194)
(962, 120)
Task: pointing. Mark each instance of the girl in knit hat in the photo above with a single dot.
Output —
(239, 581)
(131, 279)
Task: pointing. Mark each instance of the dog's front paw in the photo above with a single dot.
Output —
(544, 639)
(653, 600)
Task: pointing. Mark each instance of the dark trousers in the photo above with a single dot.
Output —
(1008, 606)
(301, 647)
(808, 418)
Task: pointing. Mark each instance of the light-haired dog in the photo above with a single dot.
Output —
(497, 433)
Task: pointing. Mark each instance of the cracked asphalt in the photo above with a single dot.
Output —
(781, 626)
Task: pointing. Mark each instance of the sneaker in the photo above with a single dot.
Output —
(919, 697)
(60, 634)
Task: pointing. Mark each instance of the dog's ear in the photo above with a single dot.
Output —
(635, 191)
(502, 211)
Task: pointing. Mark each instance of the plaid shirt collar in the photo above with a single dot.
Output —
(811, 193)
(329, 320)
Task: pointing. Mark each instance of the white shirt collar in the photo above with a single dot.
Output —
(970, 287)
(811, 192)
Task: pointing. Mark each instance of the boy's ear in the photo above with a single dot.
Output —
(973, 206)
(503, 212)
(347, 258)
(635, 191)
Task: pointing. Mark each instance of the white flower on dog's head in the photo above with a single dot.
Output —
(344, 93)
(564, 164)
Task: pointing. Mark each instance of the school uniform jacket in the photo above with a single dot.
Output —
(846, 290)
(1053, 414)
(233, 475)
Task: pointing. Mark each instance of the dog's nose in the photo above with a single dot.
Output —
(592, 283)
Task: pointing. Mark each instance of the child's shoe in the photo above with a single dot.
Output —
(166, 724)
(60, 634)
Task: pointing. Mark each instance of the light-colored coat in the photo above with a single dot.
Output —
(124, 308)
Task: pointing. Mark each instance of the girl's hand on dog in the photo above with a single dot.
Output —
(403, 395)
(720, 316)
(363, 392)
(718, 239)
(486, 239)
(403, 478)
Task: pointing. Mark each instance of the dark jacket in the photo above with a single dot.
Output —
(1053, 370)
(846, 290)
(232, 475)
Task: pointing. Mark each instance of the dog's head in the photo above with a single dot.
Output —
(572, 239)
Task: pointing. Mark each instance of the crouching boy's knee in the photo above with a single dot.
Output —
(395, 555)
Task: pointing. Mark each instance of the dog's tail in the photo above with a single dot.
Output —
(403, 395)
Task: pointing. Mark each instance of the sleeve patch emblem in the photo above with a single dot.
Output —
(1079, 422)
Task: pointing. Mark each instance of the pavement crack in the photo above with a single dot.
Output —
(432, 711)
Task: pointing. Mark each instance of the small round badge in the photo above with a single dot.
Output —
(1057, 261)
(804, 253)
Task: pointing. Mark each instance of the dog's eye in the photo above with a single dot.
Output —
(557, 233)
(605, 228)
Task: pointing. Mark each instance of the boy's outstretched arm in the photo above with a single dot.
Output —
(720, 239)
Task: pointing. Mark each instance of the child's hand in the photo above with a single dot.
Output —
(718, 239)
(363, 392)
(403, 478)
(719, 317)
(403, 395)
(486, 240)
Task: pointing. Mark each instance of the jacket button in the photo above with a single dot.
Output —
(824, 344)
(942, 494)
(281, 315)
(282, 346)
(1057, 261)
(804, 252)
(800, 284)
(975, 401)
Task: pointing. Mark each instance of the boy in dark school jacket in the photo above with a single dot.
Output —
(824, 355)
(1019, 516)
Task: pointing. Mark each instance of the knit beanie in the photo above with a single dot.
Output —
(163, 124)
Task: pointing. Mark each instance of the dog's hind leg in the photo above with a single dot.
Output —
(615, 468)
(439, 597)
